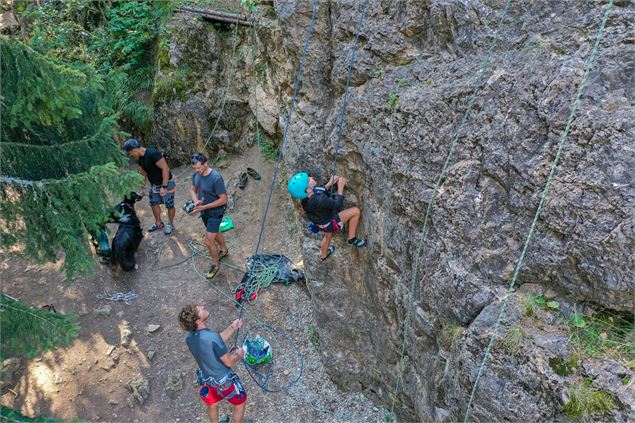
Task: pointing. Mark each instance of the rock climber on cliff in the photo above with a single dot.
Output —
(324, 209)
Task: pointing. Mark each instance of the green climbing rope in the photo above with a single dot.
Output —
(545, 191)
(424, 232)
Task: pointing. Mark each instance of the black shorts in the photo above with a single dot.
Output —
(212, 221)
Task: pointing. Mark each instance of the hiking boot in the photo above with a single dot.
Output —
(212, 271)
(222, 254)
(357, 242)
(168, 229)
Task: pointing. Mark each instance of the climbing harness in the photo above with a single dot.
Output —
(227, 388)
(545, 191)
(126, 297)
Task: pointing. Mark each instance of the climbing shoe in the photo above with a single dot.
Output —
(357, 242)
(253, 173)
(329, 251)
(212, 271)
(222, 254)
(242, 181)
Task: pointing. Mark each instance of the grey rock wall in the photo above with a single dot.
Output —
(417, 65)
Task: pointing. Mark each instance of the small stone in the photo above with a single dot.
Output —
(549, 294)
(604, 336)
(375, 409)
(58, 379)
(151, 354)
(120, 314)
(42, 281)
(153, 328)
(103, 310)
(113, 402)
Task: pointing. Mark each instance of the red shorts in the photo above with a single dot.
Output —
(235, 394)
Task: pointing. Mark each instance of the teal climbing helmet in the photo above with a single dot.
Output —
(298, 185)
(257, 351)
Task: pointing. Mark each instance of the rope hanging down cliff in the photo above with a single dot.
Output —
(545, 191)
(284, 140)
(424, 232)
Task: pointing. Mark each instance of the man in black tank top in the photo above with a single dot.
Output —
(163, 186)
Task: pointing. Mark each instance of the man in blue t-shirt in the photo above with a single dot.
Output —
(210, 196)
(214, 360)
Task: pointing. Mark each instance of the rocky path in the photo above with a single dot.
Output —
(130, 364)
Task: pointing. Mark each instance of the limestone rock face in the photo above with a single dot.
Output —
(416, 68)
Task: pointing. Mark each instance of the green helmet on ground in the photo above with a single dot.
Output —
(257, 351)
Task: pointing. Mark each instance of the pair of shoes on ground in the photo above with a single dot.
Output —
(167, 229)
(213, 271)
(242, 181)
(353, 241)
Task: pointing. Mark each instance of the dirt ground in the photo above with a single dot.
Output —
(87, 380)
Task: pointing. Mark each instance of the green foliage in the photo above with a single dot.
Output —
(377, 73)
(538, 302)
(171, 86)
(513, 339)
(36, 91)
(393, 99)
(28, 331)
(402, 83)
(564, 367)
(389, 417)
(71, 156)
(11, 415)
(450, 333)
(427, 82)
(585, 401)
(606, 334)
(250, 5)
(267, 148)
(313, 337)
(114, 37)
(578, 321)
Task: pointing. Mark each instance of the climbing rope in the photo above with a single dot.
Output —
(284, 141)
(424, 232)
(197, 249)
(126, 297)
(342, 116)
(545, 191)
(286, 128)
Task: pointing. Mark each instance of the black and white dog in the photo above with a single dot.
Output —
(129, 234)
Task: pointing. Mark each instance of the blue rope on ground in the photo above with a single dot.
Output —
(437, 185)
(554, 166)
(342, 117)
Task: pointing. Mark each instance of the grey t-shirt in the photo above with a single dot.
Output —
(208, 347)
(209, 188)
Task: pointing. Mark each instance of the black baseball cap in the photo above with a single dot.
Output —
(130, 145)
